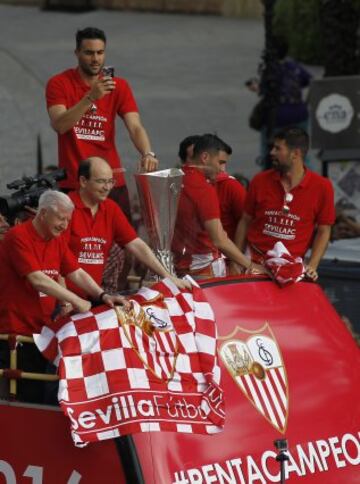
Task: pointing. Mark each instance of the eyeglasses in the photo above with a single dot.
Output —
(105, 181)
(288, 198)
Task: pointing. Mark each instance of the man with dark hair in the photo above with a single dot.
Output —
(186, 148)
(82, 105)
(89, 33)
(98, 222)
(199, 238)
(231, 193)
(288, 203)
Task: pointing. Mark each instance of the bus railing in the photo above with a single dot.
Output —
(13, 373)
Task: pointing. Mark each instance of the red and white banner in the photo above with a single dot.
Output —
(151, 369)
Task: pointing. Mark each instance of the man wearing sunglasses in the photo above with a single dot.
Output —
(288, 203)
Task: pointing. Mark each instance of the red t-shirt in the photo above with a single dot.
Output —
(231, 195)
(23, 310)
(91, 237)
(94, 133)
(198, 203)
(312, 205)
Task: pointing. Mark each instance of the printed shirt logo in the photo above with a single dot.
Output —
(254, 361)
(53, 274)
(280, 225)
(91, 127)
(92, 251)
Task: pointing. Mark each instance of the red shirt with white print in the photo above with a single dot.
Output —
(94, 133)
(231, 194)
(192, 246)
(91, 236)
(312, 204)
(24, 310)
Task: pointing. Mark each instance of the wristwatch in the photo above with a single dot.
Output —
(149, 153)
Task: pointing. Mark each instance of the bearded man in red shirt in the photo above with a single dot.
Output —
(199, 238)
(33, 257)
(83, 104)
(288, 203)
(98, 222)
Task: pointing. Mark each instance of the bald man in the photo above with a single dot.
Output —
(98, 222)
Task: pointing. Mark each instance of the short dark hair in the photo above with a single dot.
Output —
(84, 169)
(295, 138)
(211, 143)
(89, 33)
(184, 145)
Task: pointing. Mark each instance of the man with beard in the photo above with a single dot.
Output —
(82, 105)
(288, 203)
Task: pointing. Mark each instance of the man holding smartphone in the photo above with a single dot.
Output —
(82, 105)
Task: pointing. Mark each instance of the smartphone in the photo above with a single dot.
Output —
(108, 71)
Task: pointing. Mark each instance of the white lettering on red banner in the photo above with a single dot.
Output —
(311, 458)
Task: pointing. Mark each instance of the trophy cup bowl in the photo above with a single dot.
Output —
(159, 193)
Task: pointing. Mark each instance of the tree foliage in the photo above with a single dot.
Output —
(321, 32)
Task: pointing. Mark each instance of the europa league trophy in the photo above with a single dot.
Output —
(159, 196)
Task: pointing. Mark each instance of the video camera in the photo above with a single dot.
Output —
(28, 192)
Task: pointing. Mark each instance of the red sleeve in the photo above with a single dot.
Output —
(123, 230)
(126, 103)
(250, 199)
(208, 204)
(238, 195)
(55, 92)
(326, 214)
(21, 253)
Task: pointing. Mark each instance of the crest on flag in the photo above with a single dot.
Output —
(254, 361)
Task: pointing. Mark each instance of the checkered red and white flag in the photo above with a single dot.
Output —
(152, 369)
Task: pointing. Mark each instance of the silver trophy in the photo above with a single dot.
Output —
(159, 193)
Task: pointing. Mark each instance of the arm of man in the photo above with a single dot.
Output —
(241, 231)
(220, 239)
(43, 283)
(318, 248)
(82, 279)
(63, 119)
(145, 255)
(140, 139)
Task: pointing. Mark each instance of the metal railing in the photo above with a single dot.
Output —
(13, 374)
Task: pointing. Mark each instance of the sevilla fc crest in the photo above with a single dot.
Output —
(254, 361)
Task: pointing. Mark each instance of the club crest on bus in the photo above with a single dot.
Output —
(254, 361)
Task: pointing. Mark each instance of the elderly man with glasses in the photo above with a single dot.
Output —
(98, 222)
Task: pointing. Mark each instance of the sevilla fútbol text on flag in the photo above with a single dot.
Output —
(153, 368)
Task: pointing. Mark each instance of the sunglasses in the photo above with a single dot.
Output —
(288, 198)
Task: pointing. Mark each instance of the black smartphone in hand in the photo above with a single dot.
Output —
(108, 71)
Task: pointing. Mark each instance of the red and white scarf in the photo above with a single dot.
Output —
(284, 268)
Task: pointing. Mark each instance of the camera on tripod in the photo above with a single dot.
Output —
(28, 192)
